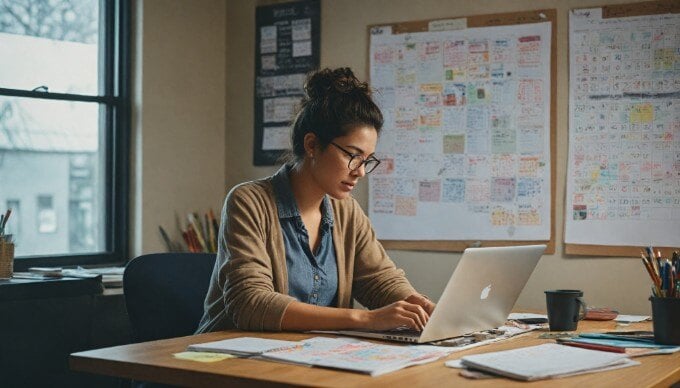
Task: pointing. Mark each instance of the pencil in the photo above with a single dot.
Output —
(604, 348)
(650, 271)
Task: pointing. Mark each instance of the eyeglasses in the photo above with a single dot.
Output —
(356, 160)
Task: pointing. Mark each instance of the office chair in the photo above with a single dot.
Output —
(164, 293)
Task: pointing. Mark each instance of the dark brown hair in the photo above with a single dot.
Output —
(335, 102)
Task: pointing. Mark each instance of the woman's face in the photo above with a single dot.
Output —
(330, 166)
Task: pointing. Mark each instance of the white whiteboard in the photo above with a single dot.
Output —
(466, 141)
(623, 181)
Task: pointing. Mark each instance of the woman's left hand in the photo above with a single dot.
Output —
(421, 301)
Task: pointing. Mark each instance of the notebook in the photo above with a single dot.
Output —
(478, 296)
(242, 346)
(545, 361)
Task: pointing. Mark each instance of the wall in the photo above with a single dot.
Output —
(615, 282)
(178, 139)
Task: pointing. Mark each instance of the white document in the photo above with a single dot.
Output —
(242, 346)
(301, 29)
(276, 138)
(302, 48)
(624, 110)
(357, 356)
(545, 361)
(518, 316)
(458, 364)
(279, 109)
(631, 318)
(466, 141)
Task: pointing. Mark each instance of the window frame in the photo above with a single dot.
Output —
(116, 98)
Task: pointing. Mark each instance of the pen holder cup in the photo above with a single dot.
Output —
(6, 260)
(666, 320)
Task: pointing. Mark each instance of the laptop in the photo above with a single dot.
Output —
(479, 295)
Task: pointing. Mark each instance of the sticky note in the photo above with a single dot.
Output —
(203, 356)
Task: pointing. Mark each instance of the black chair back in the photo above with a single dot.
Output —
(164, 293)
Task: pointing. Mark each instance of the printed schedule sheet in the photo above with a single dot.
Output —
(466, 141)
(623, 180)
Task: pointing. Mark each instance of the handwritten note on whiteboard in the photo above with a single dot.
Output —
(466, 140)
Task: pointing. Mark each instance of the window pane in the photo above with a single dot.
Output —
(50, 43)
(51, 156)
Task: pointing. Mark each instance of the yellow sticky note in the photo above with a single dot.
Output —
(203, 356)
(642, 113)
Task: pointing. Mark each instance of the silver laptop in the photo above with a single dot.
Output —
(479, 295)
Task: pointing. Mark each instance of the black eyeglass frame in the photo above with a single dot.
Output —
(364, 162)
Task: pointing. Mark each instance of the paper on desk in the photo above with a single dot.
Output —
(242, 346)
(104, 270)
(545, 361)
(518, 316)
(202, 356)
(456, 345)
(358, 356)
(631, 318)
(458, 364)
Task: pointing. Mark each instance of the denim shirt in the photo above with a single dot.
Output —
(312, 277)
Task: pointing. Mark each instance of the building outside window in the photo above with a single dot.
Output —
(64, 128)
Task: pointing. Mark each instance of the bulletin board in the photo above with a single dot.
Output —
(287, 47)
(623, 180)
(472, 24)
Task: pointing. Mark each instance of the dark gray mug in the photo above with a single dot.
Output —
(563, 309)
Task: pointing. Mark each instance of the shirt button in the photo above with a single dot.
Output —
(316, 277)
(314, 295)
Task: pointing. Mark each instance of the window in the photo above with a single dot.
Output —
(64, 129)
(47, 218)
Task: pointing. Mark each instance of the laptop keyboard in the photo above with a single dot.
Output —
(402, 330)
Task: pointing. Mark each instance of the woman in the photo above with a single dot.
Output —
(296, 243)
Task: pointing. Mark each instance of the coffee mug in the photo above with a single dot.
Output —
(563, 309)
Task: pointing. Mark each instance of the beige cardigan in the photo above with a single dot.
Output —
(249, 285)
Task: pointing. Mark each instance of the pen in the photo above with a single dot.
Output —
(604, 348)
(652, 274)
(3, 221)
(664, 279)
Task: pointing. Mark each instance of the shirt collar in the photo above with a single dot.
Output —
(285, 201)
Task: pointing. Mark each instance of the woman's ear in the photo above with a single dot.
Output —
(311, 142)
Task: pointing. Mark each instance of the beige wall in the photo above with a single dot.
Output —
(194, 92)
(178, 114)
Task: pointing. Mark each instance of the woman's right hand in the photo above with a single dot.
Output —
(397, 314)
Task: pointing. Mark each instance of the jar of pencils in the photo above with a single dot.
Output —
(666, 320)
(6, 259)
(665, 275)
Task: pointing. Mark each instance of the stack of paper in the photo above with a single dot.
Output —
(632, 345)
(546, 361)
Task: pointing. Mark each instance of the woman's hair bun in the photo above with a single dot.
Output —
(326, 82)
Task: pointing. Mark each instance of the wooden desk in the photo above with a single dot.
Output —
(153, 361)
